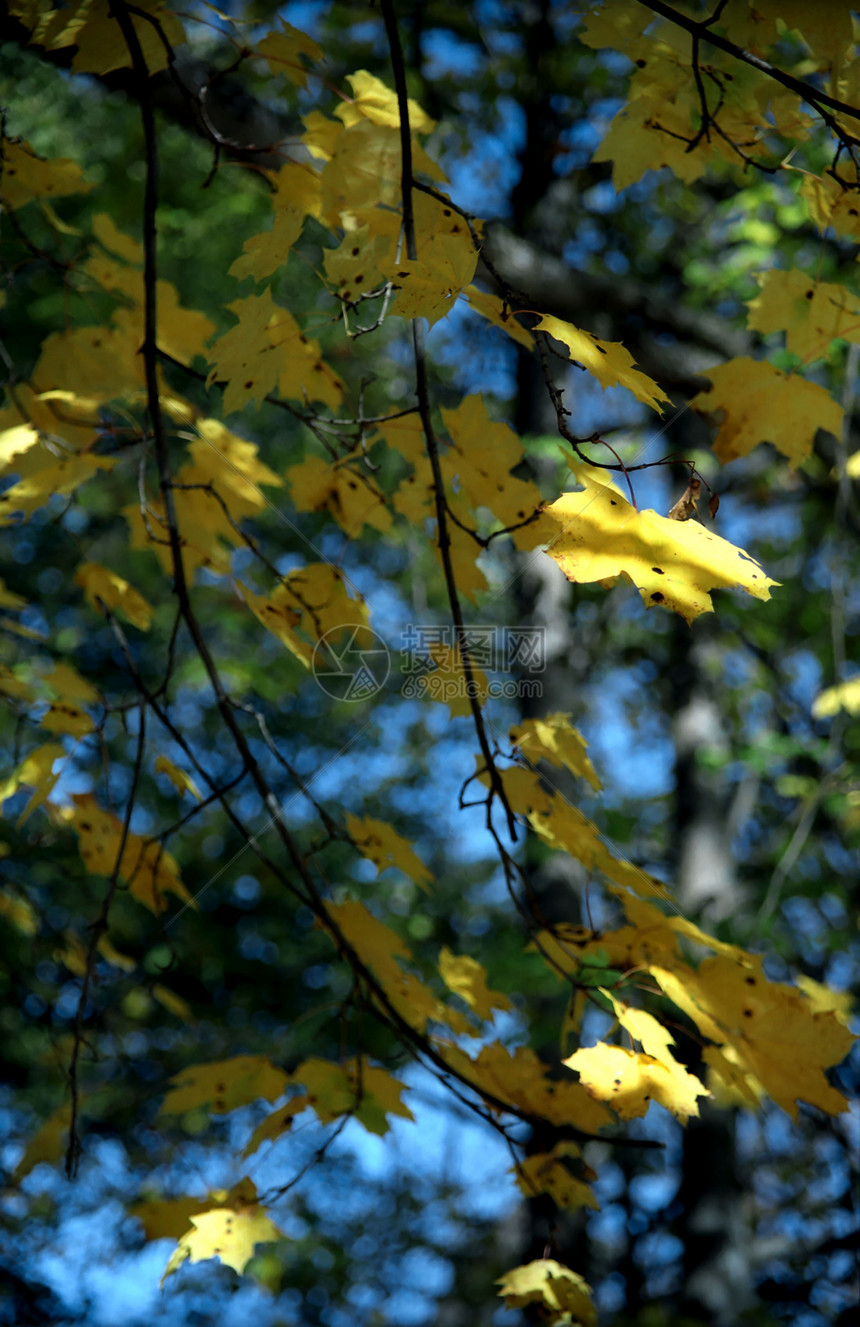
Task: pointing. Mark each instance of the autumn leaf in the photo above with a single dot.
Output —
(607, 361)
(674, 564)
(811, 313)
(106, 845)
(382, 845)
(552, 1173)
(182, 782)
(468, 979)
(230, 1234)
(751, 401)
(629, 1081)
(560, 1295)
(225, 1085)
(844, 696)
(555, 740)
(102, 586)
(283, 50)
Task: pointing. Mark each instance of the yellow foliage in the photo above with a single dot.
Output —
(811, 313)
(382, 845)
(89, 25)
(102, 586)
(267, 252)
(520, 1079)
(267, 352)
(672, 563)
(225, 1085)
(478, 466)
(496, 312)
(18, 912)
(468, 979)
(36, 771)
(555, 740)
(560, 1295)
(844, 696)
(343, 489)
(373, 100)
(228, 1233)
(283, 51)
(607, 361)
(370, 1093)
(447, 683)
(25, 176)
(57, 477)
(148, 869)
(629, 1081)
(551, 1173)
(182, 782)
(753, 402)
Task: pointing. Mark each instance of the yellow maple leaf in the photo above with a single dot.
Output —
(754, 402)
(368, 1091)
(283, 49)
(832, 205)
(343, 489)
(266, 350)
(554, 739)
(478, 466)
(182, 782)
(729, 1082)
(468, 979)
(116, 241)
(225, 1085)
(608, 361)
(447, 683)
(811, 313)
(276, 1124)
(643, 1027)
(355, 266)
(168, 1218)
(57, 477)
(561, 1296)
(267, 252)
(672, 563)
(844, 696)
(18, 912)
(67, 718)
(429, 287)
(381, 949)
(375, 943)
(629, 1081)
(89, 25)
(230, 1234)
(381, 844)
(520, 1078)
(149, 869)
(363, 171)
(36, 771)
(775, 1034)
(550, 1172)
(101, 585)
(373, 100)
(496, 312)
(25, 176)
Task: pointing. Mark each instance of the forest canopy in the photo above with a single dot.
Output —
(429, 615)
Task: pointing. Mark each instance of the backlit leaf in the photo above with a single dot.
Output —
(672, 563)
